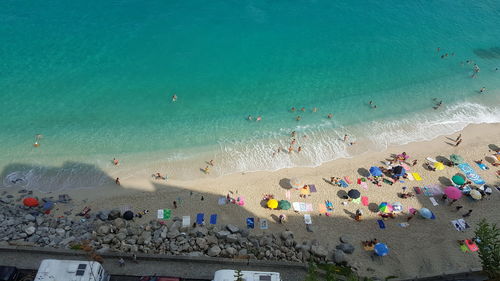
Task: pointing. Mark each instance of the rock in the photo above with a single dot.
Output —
(244, 232)
(319, 251)
(103, 229)
(243, 252)
(66, 241)
(232, 228)
(6, 200)
(201, 242)
(231, 238)
(173, 233)
(103, 215)
(200, 231)
(60, 231)
(119, 223)
(214, 251)
(30, 230)
(339, 257)
(114, 214)
(345, 239)
(346, 248)
(290, 242)
(29, 217)
(195, 254)
(231, 251)
(121, 236)
(222, 234)
(39, 220)
(285, 235)
(175, 226)
(211, 240)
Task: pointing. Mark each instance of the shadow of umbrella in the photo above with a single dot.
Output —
(373, 207)
(445, 181)
(363, 172)
(285, 183)
(342, 194)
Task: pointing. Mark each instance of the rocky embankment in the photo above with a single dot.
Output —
(107, 232)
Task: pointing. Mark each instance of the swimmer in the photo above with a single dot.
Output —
(174, 98)
(290, 149)
(329, 116)
(299, 149)
(345, 137)
(293, 142)
(293, 134)
(259, 118)
(483, 89)
(115, 162)
(315, 109)
(438, 49)
(211, 162)
(293, 109)
(303, 109)
(249, 117)
(37, 139)
(298, 118)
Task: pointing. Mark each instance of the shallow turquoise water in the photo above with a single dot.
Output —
(96, 78)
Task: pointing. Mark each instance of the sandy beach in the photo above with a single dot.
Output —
(424, 248)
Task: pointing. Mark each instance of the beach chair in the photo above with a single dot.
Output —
(186, 221)
(213, 219)
(381, 224)
(200, 218)
(250, 223)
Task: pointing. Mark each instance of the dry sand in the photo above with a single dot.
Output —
(426, 247)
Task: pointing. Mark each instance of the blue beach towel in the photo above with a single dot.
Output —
(250, 223)
(482, 166)
(213, 219)
(470, 173)
(381, 224)
(200, 218)
(343, 183)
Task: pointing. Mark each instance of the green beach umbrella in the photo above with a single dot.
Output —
(284, 205)
(457, 159)
(458, 180)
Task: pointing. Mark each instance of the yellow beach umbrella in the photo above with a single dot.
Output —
(475, 194)
(272, 204)
(439, 166)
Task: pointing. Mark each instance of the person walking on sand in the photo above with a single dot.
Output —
(414, 162)
(211, 162)
(459, 137)
(467, 214)
(117, 181)
(458, 142)
(345, 137)
(206, 170)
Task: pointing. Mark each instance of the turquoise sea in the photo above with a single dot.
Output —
(96, 78)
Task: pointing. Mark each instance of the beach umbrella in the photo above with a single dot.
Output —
(128, 215)
(48, 205)
(397, 207)
(475, 194)
(453, 192)
(272, 204)
(385, 207)
(375, 171)
(354, 193)
(296, 183)
(425, 213)
(398, 171)
(284, 205)
(439, 166)
(458, 180)
(457, 159)
(381, 249)
(30, 202)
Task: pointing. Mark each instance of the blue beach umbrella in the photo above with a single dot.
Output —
(48, 206)
(375, 171)
(381, 249)
(425, 213)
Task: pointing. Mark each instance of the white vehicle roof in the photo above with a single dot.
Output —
(229, 275)
(69, 270)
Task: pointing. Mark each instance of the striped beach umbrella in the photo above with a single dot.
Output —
(385, 207)
(397, 207)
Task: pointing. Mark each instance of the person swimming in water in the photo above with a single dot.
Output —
(298, 118)
(329, 116)
(293, 109)
(174, 98)
(249, 117)
(259, 118)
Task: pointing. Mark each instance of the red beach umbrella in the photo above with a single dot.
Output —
(453, 192)
(30, 202)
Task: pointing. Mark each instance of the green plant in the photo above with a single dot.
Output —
(312, 272)
(489, 248)
(238, 275)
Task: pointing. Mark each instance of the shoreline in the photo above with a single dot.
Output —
(141, 193)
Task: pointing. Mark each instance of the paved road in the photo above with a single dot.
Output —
(186, 268)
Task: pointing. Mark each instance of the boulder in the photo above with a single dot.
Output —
(114, 214)
(244, 232)
(119, 223)
(231, 251)
(214, 251)
(29, 217)
(121, 236)
(339, 257)
(222, 234)
(211, 240)
(201, 242)
(345, 239)
(195, 254)
(285, 235)
(103, 215)
(200, 231)
(319, 251)
(103, 229)
(60, 231)
(346, 248)
(232, 228)
(30, 230)
(231, 238)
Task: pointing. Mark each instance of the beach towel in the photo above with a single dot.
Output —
(186, 221)
(240, 201)
(356, 201)
(388, 181)
(287, 194)
(347, 179)
(299, 206)
(431, 159)
(416, 176)
(407, 168)
(329, 205)
(482, 166)
(410, 176)
(343, 183)
(307, 219)
(433, 201)
(417, 190)
(365, 201)
(305, 191)
(222, 201)
(250, 223)
(312, 188)
(359, 181)
(213, 219)
(381, 224)
(404, 224)
(200, 218)
(470, 173)
(309, 207)
(471, 245)
(321, 208)
(164, 214)
(364, 185)
(263, 224)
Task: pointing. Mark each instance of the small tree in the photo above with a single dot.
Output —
(238, 275)
(489, 248)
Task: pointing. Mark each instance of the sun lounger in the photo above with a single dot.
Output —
(250, 223)
(471, 245)
(307, 219)
(312, 188)
(381, 224)
(213, 219)
(433, 201)
(186, 221)
(348, 180)
(200, 218)
(263, 224)
(470, 173)
(364, 201)
(416, 176)
(343, 183)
